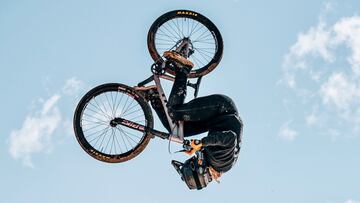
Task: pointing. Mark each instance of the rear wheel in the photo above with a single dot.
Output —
(93, 116)
(205, 41)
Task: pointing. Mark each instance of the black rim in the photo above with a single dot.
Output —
(96, 126)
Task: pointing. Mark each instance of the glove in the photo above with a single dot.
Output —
(195, 145)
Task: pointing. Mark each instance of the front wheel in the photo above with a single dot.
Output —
(98, 136)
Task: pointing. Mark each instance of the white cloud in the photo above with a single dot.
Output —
(351, 201)
(72, 86)
(311, 119)
(340, 91)
(35, 134)
(348, 32)
(326, 59)
(286, 132)
(316, 41)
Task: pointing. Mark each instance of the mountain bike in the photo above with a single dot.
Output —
(113, 122)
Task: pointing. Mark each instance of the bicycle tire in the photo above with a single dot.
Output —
(100, 114)
(199, 69)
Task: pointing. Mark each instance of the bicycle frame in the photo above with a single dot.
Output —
(177, 128)
(177, 132)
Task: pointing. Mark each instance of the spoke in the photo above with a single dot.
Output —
(127, 138)
(94, 117)
(177, 22)
(136, 117)
(204, 38)
(204, 50)
(198, 29)
(131, 134)
(204, 54)
(96, 122)
(122, 95)
(112, 110)
(124, 105)
(132, 112)
(130, 108)
(118, 142)
(172, 35)
(127, 107)
(98, 137)
(112, 130)
(205, 42)
(200, 36)
(96, 112)
(122, 137)
(202, 64)
(164, 34)
(98, 125)
(102, 141)
(165, 40)
(114, 104)
(173, 29)
(164, 44)
(188, 30)
(104, 105)
(182, 27)
(140, 121)
(212, 48)
(101, 109)
(113, 143)
(93, 133)
(193, 28)
(177, 26)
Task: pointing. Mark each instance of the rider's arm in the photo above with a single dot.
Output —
(223, 139)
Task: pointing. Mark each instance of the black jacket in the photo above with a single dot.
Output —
(221, 150)
(222, 145)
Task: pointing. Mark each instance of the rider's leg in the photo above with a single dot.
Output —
(220, 123)
(198, 109)
(178, 91)
(204, 108)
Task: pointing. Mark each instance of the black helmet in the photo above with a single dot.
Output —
(194, 172)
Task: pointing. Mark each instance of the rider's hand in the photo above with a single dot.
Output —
(195, 145)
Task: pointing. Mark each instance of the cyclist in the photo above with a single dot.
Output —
(215, 114)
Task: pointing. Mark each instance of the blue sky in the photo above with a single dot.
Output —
(292, 68)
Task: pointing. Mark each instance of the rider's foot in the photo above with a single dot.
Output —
(179, 60)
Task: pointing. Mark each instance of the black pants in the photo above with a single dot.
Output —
(213, 113)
